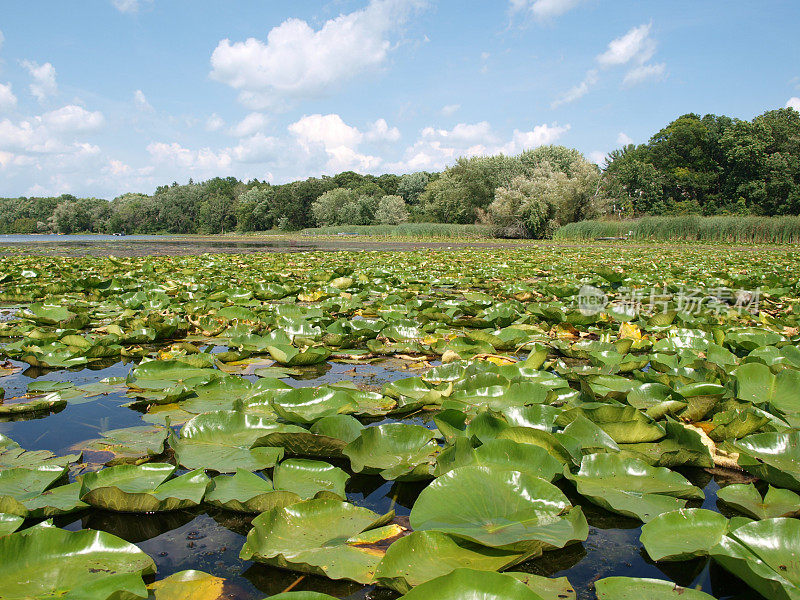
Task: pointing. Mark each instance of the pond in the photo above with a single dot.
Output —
(210, 540)
(423, 386)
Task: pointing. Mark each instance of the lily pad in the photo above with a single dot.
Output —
(469, 583)
(307, 478)
(635, 588)
(18, 485)
(766, 555)
(425, 555)
(774, 457)
(247, 492)
(631, 487)
(683, 534)
(500, 508)
(393, 451)
(46, 562)
(222, 440)
(321, 536)
(746, 499)
(143, 488)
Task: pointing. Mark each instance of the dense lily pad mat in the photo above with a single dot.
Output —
(489, 396)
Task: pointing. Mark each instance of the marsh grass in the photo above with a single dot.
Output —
(759, 230)
(435, 230)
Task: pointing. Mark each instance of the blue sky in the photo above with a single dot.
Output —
(101, 97)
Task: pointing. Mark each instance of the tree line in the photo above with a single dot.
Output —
(696, 165)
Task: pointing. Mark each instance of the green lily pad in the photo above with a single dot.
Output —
(746, 499)
(765, 555)
(307, 405)
(635, 588)
(393, 451)
(87, 564)
(469, 583)
(631, 487)
(774, 457)
(500, 508)
(307, 478)
(222, 440)
(56, 501)
(19, 485)
(683, 534)
(143, 488)
(321, 536)
(425, 555)
(132, 445)
(247, 492)
(503, 454)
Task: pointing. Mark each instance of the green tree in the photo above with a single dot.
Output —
(391, 211)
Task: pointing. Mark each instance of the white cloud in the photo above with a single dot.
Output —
(255, 149)
(437, 148)
(140, 100)
(328, 131)
(44, 79)
(469, 133)
(214, 123)
(643, 73)
(204, 160)
(117, 167)
(578, 91)
(128, 6)
(296, 61)
(634, 48)
(450, 109)
(793, 102)
(379, 131)
(73, 119)
(338, 141)
(249, 125)
(7, 98)
(636, 45)
(541, 135)
(544, 9)
(623, 139)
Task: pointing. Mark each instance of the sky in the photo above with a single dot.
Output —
(103, 97)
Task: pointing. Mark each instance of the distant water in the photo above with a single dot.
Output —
(36, 238)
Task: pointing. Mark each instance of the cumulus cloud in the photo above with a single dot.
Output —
(256, 149)
(337, 141)
(140, 100)
(623, 139)
(793, 102)
(203, 160)
(214, 123)
(7, 98)
(379, 131)
(44, 79)
(51, 133)
(437, 148)
(297, 61)
(543, 9)
(73, 119)
(252, 123)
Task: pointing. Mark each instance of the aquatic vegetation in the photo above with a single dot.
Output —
(415, 421)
